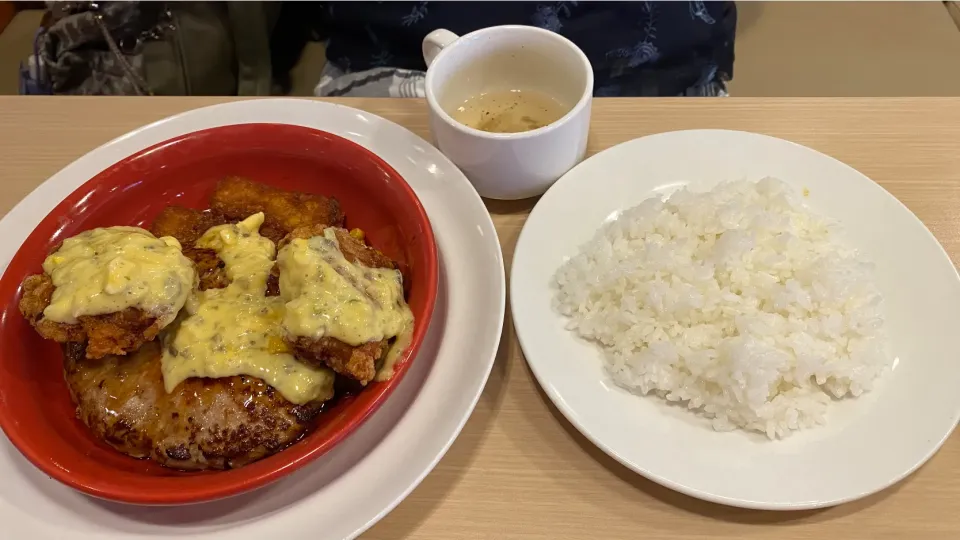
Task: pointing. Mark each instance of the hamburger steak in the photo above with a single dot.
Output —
(203, 424)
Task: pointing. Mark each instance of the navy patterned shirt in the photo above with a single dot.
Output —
(636, 48)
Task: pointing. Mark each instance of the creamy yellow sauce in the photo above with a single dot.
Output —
(237, 330)
(110, 269)
(327, 296)
(404, 339)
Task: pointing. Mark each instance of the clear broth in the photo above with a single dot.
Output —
(509, 111)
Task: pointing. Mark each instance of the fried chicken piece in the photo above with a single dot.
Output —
(238, 198)
(36, 296)
(357, 251)
(354, 250)
(203, 424)
(112, 333)
(185, 224)
(358, 363)
(210, 268)
(118, 333)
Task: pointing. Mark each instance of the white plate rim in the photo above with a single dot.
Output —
(435, 179)
(543, 379)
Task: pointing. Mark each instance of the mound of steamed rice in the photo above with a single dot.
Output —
(739, 303)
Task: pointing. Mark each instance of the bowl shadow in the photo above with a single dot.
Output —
(521, 206)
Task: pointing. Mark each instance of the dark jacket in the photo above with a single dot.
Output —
(636, 48)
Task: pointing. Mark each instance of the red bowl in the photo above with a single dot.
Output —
(36, 411)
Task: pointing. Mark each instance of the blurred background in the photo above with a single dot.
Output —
(782, 48)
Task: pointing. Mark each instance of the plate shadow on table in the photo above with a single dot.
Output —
(521, 206)
(410, 514)
(234, 511)
(686, 503)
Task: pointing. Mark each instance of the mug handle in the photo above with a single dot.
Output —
(435, 42)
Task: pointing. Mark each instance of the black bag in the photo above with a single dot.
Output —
(154, 48)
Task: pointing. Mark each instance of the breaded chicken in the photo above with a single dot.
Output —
(358, 363)
(188, 225)
(37, 292)
(185, 224)
(354, 250)
(238, 198)
(210, 268)
(203, 424)
(113, 333)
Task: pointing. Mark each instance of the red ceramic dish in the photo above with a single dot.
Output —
(36, 411)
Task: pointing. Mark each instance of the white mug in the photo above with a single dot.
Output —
(508, 165)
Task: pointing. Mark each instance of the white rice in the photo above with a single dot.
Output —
(738, 303)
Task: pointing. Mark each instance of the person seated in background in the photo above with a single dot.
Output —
(636, 48)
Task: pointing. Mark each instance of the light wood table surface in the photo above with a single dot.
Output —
(518, 469)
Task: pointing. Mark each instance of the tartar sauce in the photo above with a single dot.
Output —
(328, 296)
(110, 269)
(237, 330)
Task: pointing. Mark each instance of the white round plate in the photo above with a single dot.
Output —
(867, 444)
(358, 482)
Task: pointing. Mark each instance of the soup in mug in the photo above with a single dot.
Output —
(509, 111)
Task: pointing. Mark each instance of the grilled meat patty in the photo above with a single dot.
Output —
(203, 424)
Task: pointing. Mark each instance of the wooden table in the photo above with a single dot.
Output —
(519, 470)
